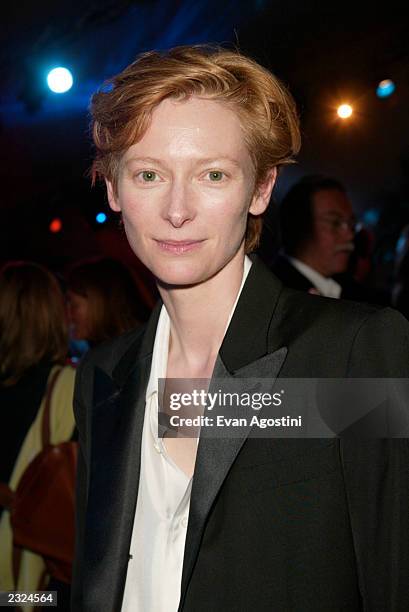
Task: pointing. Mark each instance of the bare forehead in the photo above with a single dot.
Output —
(195, 116)
(332, 201)
(190, 129)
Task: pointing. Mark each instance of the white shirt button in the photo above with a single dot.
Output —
(183, 522)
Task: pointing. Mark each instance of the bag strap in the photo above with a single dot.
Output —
(6, 493)
(6, 496)
(45, 426)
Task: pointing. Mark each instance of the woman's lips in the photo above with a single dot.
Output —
(178, 246)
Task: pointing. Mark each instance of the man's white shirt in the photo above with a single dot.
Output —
(325, 286)
(154, 573)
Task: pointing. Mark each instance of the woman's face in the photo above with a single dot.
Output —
(185, 190)
(78, 315)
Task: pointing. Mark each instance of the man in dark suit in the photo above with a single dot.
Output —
(239, 522)
(317, 230)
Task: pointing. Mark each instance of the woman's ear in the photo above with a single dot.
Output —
(262, 195)
(112, 198)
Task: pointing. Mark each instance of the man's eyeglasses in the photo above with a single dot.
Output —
(338, 223)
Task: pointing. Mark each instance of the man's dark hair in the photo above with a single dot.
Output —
(296, 211)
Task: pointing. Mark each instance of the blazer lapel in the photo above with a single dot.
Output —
(117, 422)
(246, 353)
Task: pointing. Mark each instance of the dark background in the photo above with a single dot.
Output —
(326, 52)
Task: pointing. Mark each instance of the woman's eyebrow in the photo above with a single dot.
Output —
(144, 160)
(200, 161)
(221, 158)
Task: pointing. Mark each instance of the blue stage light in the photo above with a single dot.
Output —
(101, 217)
(385, 88)
(59, 80)
(371, 216)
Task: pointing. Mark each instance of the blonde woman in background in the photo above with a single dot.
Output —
(33, 346)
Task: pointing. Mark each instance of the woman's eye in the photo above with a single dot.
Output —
(216, 175)
(148, 176)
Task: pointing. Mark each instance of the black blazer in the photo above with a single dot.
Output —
(287, 524)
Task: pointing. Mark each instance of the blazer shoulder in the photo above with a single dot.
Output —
(108, 354)
(319, 307)
(381, 346)
(344, 338)
(348, 313)
(114, 360)
(105, 357)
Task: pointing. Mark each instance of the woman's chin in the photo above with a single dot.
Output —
(174, 281)
(179, 275)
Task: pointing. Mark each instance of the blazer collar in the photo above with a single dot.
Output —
(248, 336)
(139, 350)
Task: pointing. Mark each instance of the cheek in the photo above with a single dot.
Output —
(137, 219)
(229, 226)
(232, 214)
(324, 241)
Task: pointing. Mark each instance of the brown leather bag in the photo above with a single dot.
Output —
(42, 507)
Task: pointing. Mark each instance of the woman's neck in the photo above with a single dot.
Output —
(199, 316)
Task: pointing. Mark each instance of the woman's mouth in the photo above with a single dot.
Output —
(178, 246)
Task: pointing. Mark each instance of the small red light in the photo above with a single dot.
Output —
(55, 226)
